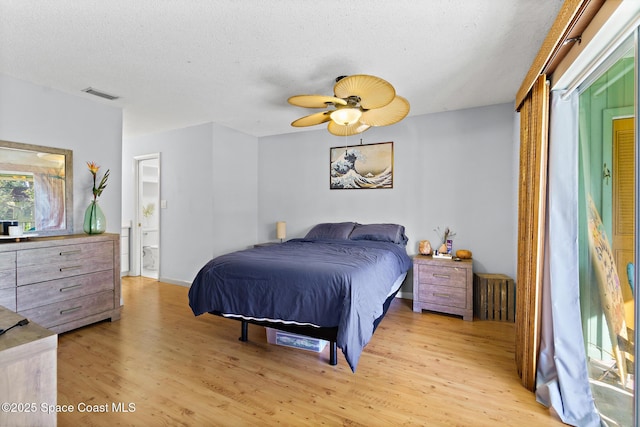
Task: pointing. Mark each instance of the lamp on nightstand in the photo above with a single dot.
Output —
(281, 230)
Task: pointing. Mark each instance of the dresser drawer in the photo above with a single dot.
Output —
(8, 298)
(441, 275)
(51, 315)
(7, 261)
(8, 278)
(67, 254)
(65, 261)
(30, 296)
(7, 270)
(444, 295)
(40, 273)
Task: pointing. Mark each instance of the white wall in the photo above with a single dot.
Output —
(208, 176)
(235, 190)
(450, 169)
(228, 189)
(225, 190)
(38, 115)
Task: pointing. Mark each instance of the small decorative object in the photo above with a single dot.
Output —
(463, 254)
(442, 255)
(424, 247)
(15, 230)
(94, 220)
(446, 239)
(6, 225)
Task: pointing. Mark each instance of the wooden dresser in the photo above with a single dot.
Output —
(28, 373)
(443, 285)
(62, 282)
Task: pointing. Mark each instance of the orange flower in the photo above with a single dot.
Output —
(97, 191)
(93, 167)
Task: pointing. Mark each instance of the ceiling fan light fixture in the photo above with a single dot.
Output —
(359, 102)
(346, 116)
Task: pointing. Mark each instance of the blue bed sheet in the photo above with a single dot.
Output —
(322, 282)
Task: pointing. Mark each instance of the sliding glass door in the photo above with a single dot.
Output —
(608, 238)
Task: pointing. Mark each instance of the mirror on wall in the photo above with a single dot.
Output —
(36, 188)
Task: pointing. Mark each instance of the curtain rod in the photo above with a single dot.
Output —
(601, 57)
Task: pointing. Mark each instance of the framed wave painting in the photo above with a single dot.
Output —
(361, 166)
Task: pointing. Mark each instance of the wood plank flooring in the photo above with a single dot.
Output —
(169, 368)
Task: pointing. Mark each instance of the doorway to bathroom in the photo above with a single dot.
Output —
(148, 215)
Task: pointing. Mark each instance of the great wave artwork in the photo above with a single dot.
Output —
(362, 166)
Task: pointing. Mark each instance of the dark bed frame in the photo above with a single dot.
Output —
(327, 334)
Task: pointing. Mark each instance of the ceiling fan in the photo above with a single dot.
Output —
(359, 102)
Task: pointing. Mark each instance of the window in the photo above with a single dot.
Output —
(17, 198)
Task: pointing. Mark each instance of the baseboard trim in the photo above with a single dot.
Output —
(404, 295)
(175, 282)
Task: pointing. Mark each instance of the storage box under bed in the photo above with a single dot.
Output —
(288, 339)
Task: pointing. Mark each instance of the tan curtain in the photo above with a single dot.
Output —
(534, 120)
(532, 101)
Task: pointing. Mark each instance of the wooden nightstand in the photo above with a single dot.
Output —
(443, 285)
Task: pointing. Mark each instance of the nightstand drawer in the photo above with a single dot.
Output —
(444, 295)
(440, 275)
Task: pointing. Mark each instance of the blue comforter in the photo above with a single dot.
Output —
(322, 282)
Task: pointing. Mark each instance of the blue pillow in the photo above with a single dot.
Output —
(331, 230)
(382, 232)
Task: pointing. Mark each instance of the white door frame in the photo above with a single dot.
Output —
(136, 256)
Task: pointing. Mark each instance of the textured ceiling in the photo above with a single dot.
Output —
(177, 63)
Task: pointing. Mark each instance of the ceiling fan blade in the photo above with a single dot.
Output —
(312, 119)
(373, 92)
(342, 130)
(315, 101)
(391, 113)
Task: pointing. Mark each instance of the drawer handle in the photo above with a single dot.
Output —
(77, 251)
(70, 310)
(436, 294)
(69, 288)
(73, 267)
(442, 276)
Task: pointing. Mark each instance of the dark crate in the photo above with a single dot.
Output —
(494, 297)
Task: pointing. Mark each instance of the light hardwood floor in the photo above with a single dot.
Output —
(180, 370)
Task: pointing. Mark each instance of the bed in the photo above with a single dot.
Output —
(335, 284)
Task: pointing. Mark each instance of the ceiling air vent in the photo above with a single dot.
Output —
(96, 92)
